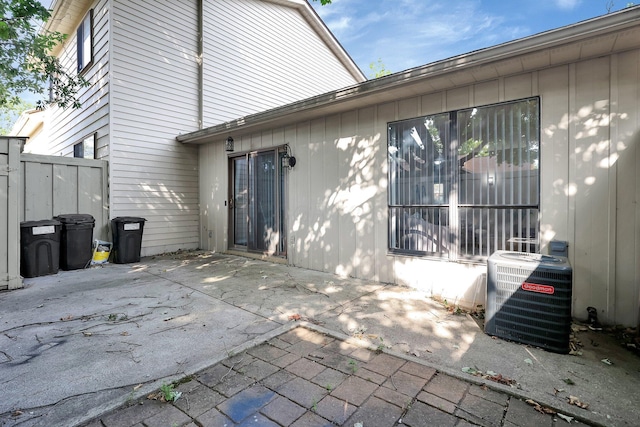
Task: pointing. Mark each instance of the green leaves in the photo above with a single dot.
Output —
(378, 69)
(10, 113)
(26, 63)
(4, 30)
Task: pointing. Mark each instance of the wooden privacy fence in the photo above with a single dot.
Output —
(52, 185)
(9, 213)
(39, 187)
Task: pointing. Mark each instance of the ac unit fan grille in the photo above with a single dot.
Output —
(530, 317)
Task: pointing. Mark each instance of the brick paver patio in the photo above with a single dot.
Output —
(305, 378)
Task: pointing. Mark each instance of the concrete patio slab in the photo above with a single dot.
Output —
(79, 343)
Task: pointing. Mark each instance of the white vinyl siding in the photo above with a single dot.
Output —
(144, 92)
(154, 99)
(65, 128)
(259, 55)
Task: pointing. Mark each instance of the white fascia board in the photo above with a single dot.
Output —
(619, 21)
(65, 18)
(27, 122)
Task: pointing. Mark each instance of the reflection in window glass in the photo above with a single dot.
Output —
(85, 149)
(85, 41)
(484, 181)
(240, 200)
(498, 178)
(418, 181)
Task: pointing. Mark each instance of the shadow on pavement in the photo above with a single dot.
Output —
(80, 343)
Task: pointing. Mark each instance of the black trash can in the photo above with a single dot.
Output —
(76, 241)
(127, 238)
(39, 247)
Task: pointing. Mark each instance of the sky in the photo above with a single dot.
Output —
(408, 33)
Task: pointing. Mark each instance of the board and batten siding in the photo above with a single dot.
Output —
(259, 55)
(590, 184)
(625, 158)
(153, 99)
(67, 127)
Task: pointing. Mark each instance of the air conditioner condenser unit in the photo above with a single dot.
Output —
(529, 299)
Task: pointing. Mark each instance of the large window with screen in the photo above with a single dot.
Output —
(465, 183)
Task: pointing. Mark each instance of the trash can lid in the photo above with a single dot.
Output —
(40, 223)
(75, 219)
(128, 219)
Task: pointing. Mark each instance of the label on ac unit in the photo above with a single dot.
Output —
(535, 287)
(43, 229)
(134, 226)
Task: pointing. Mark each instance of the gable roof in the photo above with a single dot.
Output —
(67, 14)
(614, 32)
(28, 123)
(323, 31)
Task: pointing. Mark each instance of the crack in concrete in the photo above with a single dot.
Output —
(28, 325)
(129, 352)
(9, 358)
(9, 414)
(172, 328)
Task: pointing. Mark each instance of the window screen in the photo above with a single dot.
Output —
(464, 184)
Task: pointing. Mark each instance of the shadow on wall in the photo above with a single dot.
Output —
(152, 175)
(339, 233)
(343, 230)
(595, 198)
(627, 237)
(344, 225)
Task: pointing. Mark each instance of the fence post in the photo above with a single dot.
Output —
(9, 204)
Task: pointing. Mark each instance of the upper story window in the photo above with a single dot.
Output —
(85, 42)
(85, 149)
(465, 183)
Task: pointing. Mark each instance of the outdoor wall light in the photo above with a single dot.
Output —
(228, 144)
(288, 161)
(490, 180)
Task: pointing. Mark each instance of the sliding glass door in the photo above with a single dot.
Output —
(256, 203)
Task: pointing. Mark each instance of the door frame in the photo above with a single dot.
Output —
(280, 189)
